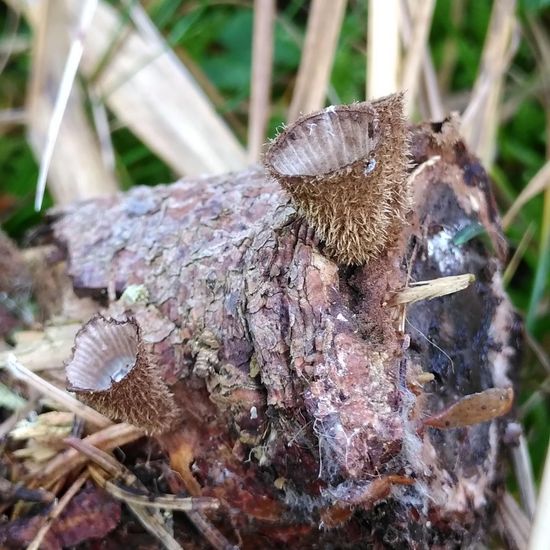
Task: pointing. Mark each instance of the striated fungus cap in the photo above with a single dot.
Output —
(112, 372)
(345, 168)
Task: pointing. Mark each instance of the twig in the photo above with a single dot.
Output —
(58, 508)
(382, 48)
(323, 28)
(262, 60)
(66, 84)
(60, 396)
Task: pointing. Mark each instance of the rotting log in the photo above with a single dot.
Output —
(302, 392)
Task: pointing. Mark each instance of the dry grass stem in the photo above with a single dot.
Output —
(43, 350)
(481, 118)
(149, 90)
(539, 351)
(524, 476)
(101, 123)
(383, 58)
(65, 86)
(416, 50)
(12, 117)
(151, 518)
(515, 260)
(209, 532)
(427, 290)
(107, 439)
(103, 459)
(512, 522)
(166, 502)
(430, 86)
(7, 426)
(323, 29)
(60, 396)
(75, 169)
(57, 509)
(539, 183)
(260, 94)
(540, 533)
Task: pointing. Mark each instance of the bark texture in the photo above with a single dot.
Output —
(302, 400)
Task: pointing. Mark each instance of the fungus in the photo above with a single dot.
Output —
(112, 371)
(345, 168)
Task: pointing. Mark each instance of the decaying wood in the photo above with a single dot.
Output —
(302, 400)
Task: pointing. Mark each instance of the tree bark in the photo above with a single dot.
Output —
(302, 394)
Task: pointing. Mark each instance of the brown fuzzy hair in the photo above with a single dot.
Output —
(112, 372)
(345, 168)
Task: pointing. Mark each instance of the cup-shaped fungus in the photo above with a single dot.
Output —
(345, 168)
(112, 372)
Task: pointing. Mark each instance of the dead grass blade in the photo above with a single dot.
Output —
(540, 534)
(10, 422)
(323, 29)
(107, 439)
(150, 90)
(135, 492)
(383, 58)
(66, 84)
(421, 23)
(74, 169)
(60, 396)
(427, 290)
(512, 522)
(524, 476)
(56, 511)
(430, 86)
(262, 60)
(539, 183)
(166, 502)
(43, 350)
(481, 118)
(103, 459)
(515, 260)
(149, 517)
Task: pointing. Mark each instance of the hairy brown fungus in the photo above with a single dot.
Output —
(345, 168)
(111, 371)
